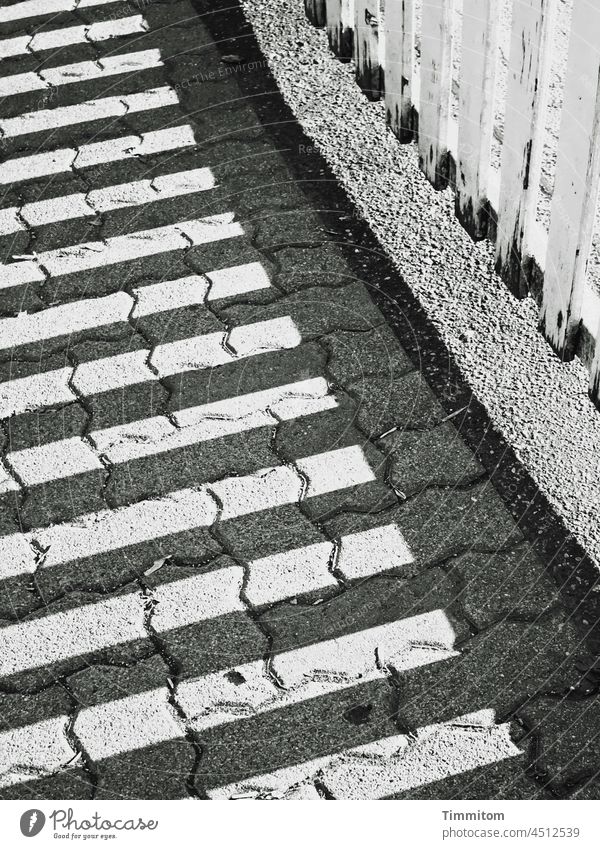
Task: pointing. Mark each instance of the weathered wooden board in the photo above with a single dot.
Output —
(399, 34)
(366, 48)
(340, 26)
(315, 12)
(576, 185)
(520, 167)
(436, 84)
(476, 113)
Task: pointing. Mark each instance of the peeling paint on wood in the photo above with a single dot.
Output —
(315, 12)
(576, 188)
(399, 29)
(476, 112)
(366, 48)
(340, 26)
(527, 88)
(436, 83)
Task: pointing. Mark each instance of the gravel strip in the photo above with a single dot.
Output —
(539, 405)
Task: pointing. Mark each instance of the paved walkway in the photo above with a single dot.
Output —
(244, 550)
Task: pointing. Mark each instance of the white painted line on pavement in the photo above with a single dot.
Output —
(58, 38)
(96, 153)
(23, 394)
(34, 8)
(237, 280)
(120, 196)
(152, 436)
(37, 642)
(90, 110)
(207, 351)
(390, 765)
(79, 72)
(170, 295)
(361, 554)
(113, 727)
(108, 373)
(54, 461)
(64, 320)
(33, 750)
(142, 243)
(108, 530)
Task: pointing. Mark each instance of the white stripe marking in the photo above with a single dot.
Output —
(228, 282)
(79, 72)
(58, 38)
(148, 437)
(170, 295)
(207, 698)
(107, 530)
(90, 110)
(207, 351)
(123, 195)
(64, 320)
(24, 394)
(110, 373)
(34, 8)
(97, 153)
(184, 602)
(54, 461)
(142, 243)
(34, 750)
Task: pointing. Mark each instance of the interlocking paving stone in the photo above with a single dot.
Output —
(435, 457)
(503, 585)
(470, 758)
(137, 744)
(34, 743)
(375, 353)
(385, 403)
(434, 525)
(568, 739)
(207, 629)
(497, 670)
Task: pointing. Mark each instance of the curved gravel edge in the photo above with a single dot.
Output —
(538, 404)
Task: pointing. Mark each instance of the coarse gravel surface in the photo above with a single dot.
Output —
(540, 405)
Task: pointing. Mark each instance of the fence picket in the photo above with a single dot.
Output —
(436, 83)
(520, 168)
(399, 29)
(340, 26)
(575, 187)
(315, 12)
(476, 113)
(366, 47)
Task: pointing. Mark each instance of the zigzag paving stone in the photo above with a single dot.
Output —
(243, 549)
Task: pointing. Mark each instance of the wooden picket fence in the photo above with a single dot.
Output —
(380, 35)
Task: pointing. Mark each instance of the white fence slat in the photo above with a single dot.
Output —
(576, 185)
(399, 29)
(366, 50)
(340, 26)
(520, 167)
(476, 112)
(315, 12)
(436, 83)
